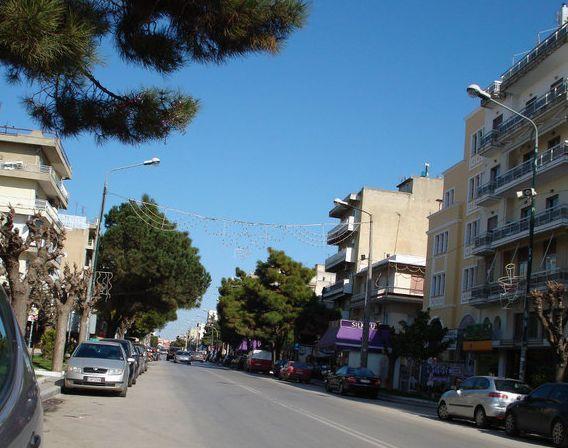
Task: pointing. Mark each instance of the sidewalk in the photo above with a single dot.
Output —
(48, 387)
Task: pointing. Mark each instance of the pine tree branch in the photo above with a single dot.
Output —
(97, 83)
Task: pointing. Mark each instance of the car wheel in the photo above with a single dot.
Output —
(559, 434)
(443, 413)
(122, 393)
(134, 380)
(511, 425)
(130, 382)
(480, 417)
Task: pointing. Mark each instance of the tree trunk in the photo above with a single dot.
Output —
(560, 371)
(84, 324)
(60, 336)
(18, 292)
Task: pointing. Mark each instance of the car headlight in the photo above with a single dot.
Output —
(115, 371)
(73, 369)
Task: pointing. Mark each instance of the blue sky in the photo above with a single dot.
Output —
(364, 95)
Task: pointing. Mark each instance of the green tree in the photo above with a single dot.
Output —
(153, 341)
(313, 321)
(54, 46)
(211, 335)
(419, 341)
(154, 270)
(178, 343)
(265, 306)
(148, 321)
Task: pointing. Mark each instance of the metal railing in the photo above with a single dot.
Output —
(335, 288)
(39, 169)
(540, 51)
(544, 159)
(341, 230)
(11, 130)
(548, 216)
(535, 108)
(381, 292)
(344, 255)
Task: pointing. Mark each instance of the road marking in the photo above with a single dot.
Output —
(332, 424)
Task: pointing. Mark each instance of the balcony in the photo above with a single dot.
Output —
(494, 140)
(341, 231)
(493, 292)
(24, 206)
(339, 288)
(391, 294)
(550, 164)
(535, 56)
(338, 260)
(550, 219)
(45, 175)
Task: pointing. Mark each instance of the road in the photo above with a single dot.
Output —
(204, 406)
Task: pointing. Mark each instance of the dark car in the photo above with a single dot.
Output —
(544, 412)
(356, 380)
(132, 355)
(277, 367)
(172, 353)
(296, 371)
(227, 360)
(21, 414)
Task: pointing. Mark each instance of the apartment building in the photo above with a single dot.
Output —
(482, 228)
(322, 279)
(399, 243)
(33, 166)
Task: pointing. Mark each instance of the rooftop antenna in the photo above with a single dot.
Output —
(426, 172)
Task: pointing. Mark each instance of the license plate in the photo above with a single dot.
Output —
(365, 381)
(94, 379)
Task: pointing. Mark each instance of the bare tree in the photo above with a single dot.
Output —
(45, 246)
(551, 310)
(66, 290)
(86, 304)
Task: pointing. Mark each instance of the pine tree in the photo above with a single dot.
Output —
(54, 45)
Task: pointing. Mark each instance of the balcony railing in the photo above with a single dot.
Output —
(490, 292)
(555, 214)
(534, 109)
(39, 169)
(341, 287)
(543, 49)
(391, 291)
(343, 256)
(543, 161)
(341, 231)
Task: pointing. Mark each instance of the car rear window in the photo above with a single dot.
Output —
(262, 355)
(512, 386)
(99, 351)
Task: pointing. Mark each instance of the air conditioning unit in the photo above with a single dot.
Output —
(12, 165)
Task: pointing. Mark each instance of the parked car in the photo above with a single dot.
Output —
(321, 371)
(227, 360)
(259, 361)
(172, 353)
(356, 380)
(143, 358)
(296, 371)
(198, 356)
(481, 398)
(131, 356)
(21, 416)
(98, 365)
(183, 357)
(544, 412)
(277, 368)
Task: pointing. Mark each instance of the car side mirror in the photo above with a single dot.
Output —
(131, 360)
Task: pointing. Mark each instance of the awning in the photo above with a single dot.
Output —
(249, 345)
(347, 335)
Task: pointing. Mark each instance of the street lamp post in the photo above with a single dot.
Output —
(475, 91)
(369, 285)
(151, 162)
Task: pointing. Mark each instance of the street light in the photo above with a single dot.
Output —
(369, 284)
(475, 91)
(154, 161)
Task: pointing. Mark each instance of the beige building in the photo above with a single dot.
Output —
(400, 222)
(483, 226)
(33, 166)
(321, 280)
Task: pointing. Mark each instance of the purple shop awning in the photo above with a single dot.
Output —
(347, 334)
(249, 345)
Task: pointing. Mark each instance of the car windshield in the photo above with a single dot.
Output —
(100, 351)
(512, 386)
(360, 372)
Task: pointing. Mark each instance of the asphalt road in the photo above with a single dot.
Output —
(204, 406)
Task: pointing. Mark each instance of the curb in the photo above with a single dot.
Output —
(49, 392)
(408, 401)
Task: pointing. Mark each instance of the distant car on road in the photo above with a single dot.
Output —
(131, 356)
(198, 356)
(21, 414)
(172, 353)
(481, 398)
(98, 365)
(356, 380)
(259, 361)
(296, 371)
(544, 412)
(182, 357)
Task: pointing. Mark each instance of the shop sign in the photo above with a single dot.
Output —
(477, 346)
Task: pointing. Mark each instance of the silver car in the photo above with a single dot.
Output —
(182, 357)
(481, 398)
(98, 365)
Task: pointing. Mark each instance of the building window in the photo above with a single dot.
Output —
(492, 223)
(469, 278)
(471, 232)
(525, 212)
(556, 84)
(473, 184)
(494, 173)
(476, 141)
(441, 243)
(449, 197)
(438, 285)
(552, 201)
